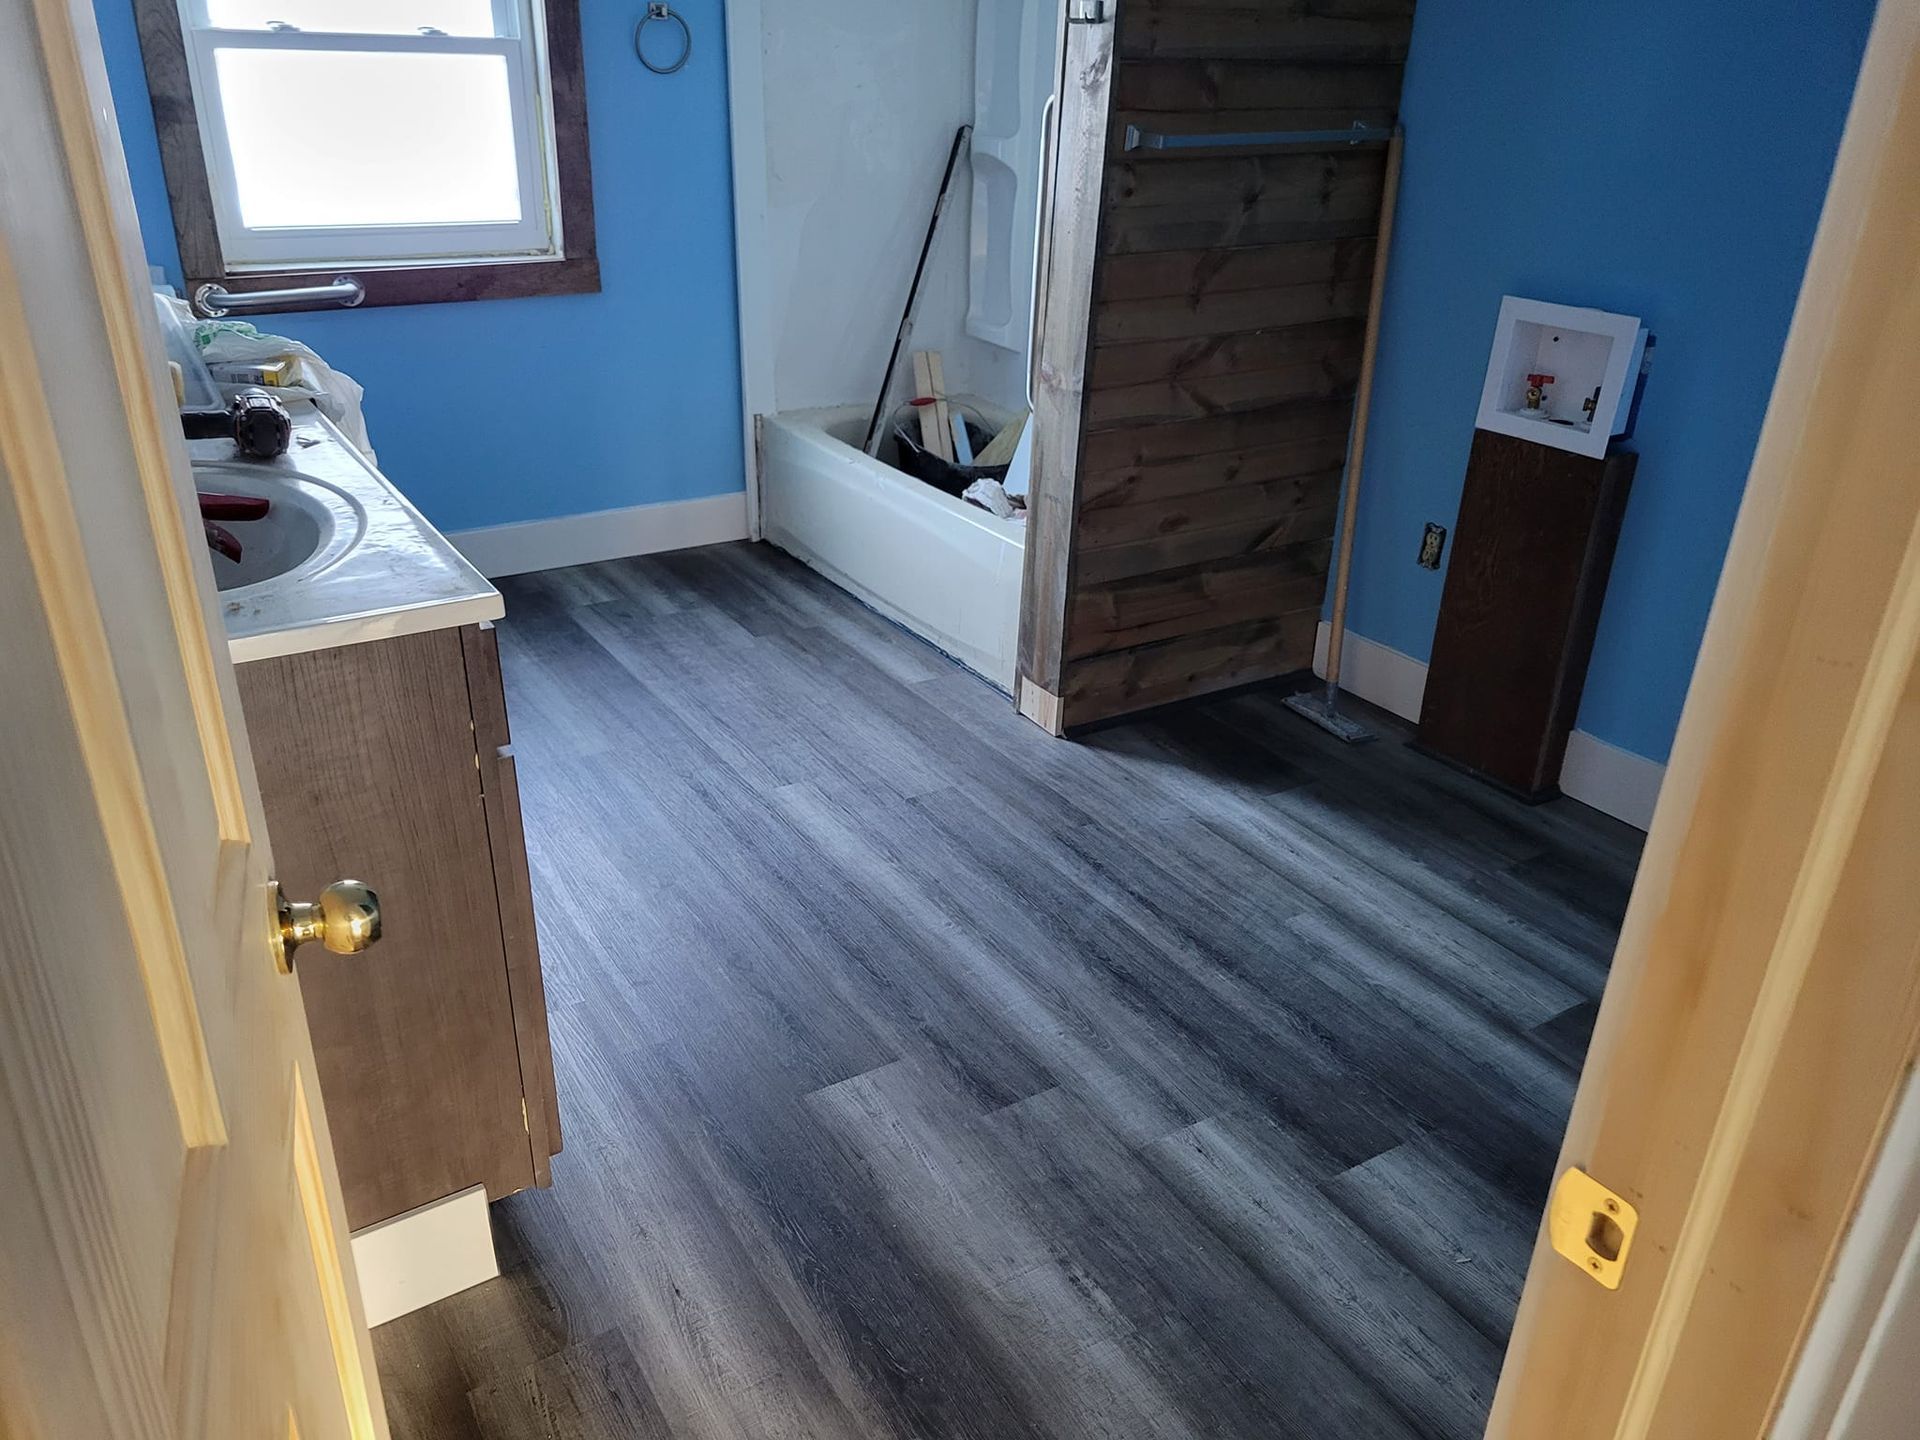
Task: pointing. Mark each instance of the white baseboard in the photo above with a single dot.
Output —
(412, 1260)
(1377, 673)
(1624, 785)
(497, 550)
(1611, 780)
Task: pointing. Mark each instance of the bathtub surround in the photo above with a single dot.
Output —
(839, 148)
(506, 413)
(1667, 161)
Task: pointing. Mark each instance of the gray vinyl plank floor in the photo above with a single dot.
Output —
(927, 1077)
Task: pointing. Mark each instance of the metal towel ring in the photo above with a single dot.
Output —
(659, 10)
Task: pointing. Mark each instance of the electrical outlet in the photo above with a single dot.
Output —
(1433, 544)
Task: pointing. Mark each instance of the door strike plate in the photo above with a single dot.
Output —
(1087, 12)
(1592, 1226)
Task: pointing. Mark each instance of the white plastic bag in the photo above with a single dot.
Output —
(990, 495)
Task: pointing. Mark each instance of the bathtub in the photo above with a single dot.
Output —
(948, 571)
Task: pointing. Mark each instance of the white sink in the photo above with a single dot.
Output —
(341, 557)
(311, 526)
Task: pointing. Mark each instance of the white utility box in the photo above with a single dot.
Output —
(1561, 375)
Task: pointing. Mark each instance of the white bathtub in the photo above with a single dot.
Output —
(948, 571)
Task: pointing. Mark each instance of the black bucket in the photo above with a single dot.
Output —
(944, 475)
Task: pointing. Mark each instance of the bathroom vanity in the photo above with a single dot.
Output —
(372, 692)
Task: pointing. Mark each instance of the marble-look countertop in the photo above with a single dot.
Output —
(381, 571)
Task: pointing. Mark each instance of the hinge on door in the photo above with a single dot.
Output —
(1592, 1226)
(525, 1123)
(1088, 12)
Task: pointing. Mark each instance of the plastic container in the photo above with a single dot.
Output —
(199, 392)
(942, 474)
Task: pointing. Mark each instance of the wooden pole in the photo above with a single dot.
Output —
(1362, 409)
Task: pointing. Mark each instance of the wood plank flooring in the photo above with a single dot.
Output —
(926, 1077)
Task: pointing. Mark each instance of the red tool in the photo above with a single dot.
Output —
(217, 505)
(222, 540)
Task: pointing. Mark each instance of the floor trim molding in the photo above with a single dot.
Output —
(412, 1260)
(1613, 781)
(497, 550)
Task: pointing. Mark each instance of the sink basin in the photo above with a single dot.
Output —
(340, 558)
(311, 525)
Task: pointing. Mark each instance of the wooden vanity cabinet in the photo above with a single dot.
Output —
(389, 761)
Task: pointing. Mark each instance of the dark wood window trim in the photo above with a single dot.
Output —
(182, 159)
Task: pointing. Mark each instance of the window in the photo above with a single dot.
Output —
(433, 149)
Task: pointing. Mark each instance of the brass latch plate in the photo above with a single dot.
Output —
(1592, 1226)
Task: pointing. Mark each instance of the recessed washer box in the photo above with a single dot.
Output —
(1587, 352)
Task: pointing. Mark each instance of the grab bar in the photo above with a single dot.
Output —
(214, 301)
(1042, 247)
(1359, 134)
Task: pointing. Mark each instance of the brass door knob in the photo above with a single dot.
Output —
(346, 920)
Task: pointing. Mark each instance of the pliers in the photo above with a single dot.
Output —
(218, 505)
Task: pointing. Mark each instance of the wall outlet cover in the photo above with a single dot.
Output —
(1433, 545)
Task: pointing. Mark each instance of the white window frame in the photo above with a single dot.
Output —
(520, 38)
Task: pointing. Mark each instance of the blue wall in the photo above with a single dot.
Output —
(500, 410)
(1660, 159)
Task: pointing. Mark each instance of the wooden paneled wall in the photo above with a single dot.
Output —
(1205, 317)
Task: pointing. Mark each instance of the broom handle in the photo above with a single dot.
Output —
(1363, 407)
(872, 443)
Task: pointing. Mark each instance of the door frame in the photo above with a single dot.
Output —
(1763, 1011)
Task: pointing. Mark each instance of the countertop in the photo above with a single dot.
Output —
(396, 576)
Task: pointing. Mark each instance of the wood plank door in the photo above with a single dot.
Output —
(174, 1261)
(1763, 1012)
(1205, 314)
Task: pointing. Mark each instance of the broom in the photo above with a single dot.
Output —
(1322, 706)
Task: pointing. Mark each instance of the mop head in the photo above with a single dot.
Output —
(1318, 706)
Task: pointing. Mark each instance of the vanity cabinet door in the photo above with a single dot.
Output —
(500, 782)
(372, 766)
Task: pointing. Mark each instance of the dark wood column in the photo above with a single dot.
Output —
(1531, 556)
(1206, 309)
